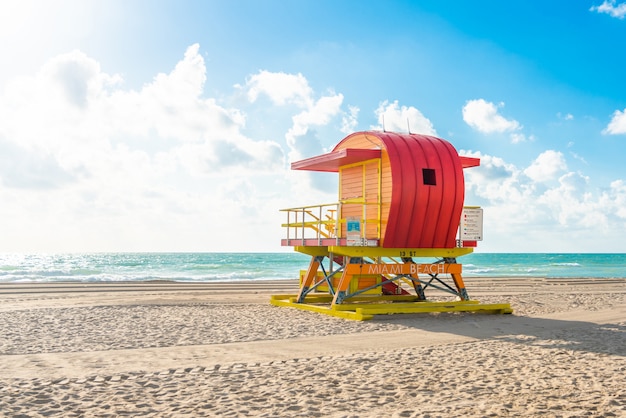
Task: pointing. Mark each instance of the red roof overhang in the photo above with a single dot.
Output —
(332, 161)
(467, 162)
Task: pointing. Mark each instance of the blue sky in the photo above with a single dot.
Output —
(170, 125)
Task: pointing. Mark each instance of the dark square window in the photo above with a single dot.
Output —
(429, 176)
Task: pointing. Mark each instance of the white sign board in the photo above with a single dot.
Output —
(471, 227)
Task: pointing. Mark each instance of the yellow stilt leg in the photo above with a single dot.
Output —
(460, 286)
(310, 275)
(344, 281)
(419, 290)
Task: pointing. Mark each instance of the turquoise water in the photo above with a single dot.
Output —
(224, 267)
(544, 265)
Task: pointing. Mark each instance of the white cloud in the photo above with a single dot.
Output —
(484, 117)
(319, 113)
(563, 214)
(281, 88)
(617, 125)
(615, 198)
(546, 166)
(612, 8)
(284, 89)
(392, 117)
(22, 169)
(516, 138)
(564, 116)
(86, 165)
(349, 121)
(568, 202)
(494, 179)
(302, 138)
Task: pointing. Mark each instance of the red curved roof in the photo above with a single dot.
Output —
(428, 189)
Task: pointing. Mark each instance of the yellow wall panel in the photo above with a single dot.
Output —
(376, 177)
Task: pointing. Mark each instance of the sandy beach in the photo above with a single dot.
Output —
(167, 349)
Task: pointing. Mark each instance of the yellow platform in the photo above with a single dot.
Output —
(362, 309)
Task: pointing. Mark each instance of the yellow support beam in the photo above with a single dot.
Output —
(375, 252)
(312, 251)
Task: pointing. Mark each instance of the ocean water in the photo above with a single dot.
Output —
(225, 267)
(548, 265)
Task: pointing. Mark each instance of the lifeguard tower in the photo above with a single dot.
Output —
(400, 202)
